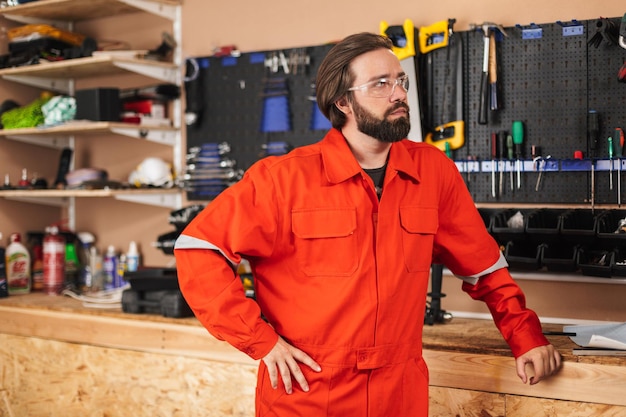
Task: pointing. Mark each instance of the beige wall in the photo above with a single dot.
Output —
(286, 23)
(262, 26)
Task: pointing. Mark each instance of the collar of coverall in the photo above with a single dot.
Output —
(340, 164)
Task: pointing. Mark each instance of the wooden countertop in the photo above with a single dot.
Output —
(472, 336)
(465, 353)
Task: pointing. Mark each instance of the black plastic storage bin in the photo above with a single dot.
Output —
(595, 262)
(523, 255)
(610, 230)
(618, 269)
(579, 226)
(559, 257)
(543, 225)
(502, 232)
(487, 215)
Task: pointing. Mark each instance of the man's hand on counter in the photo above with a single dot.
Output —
(544, 361)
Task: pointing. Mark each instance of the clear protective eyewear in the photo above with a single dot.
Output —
(383, 87)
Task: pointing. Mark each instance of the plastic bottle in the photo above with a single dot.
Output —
(97, 273)
(132, 257)
(36, 250)
(4, 290)
(53, 261)
(72, 265)
(17, 266)
(110, 268)
(85, 278)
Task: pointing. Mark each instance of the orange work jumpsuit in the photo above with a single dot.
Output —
(342, 275)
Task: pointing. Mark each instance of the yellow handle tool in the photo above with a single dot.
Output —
(404, 38)
(433, 36)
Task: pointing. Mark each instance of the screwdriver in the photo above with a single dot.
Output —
(518, 139)
(610, 147)
(509, 146)
(619, 144)
(493, 164)
(593, 129)
(501, 148)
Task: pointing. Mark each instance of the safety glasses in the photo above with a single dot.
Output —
(383, 87)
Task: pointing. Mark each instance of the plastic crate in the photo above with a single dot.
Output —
(595, 262)
(544, 225)
(523, 255)
(502, 231)
(579, 226)
(559, 258)
(609, 229)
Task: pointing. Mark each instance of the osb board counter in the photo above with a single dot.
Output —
(61, 353)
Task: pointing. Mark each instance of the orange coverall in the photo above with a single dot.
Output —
(342, 275)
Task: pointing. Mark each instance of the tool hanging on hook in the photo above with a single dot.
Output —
(449, 134)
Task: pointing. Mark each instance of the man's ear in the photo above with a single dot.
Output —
(342, 105)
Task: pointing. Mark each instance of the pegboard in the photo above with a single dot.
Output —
(234, 90)
(549, 83)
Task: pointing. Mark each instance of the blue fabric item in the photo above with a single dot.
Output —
(318, 120)
(276, 114)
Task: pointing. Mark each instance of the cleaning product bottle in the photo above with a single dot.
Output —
(132, 257)
(36, 251)
(85, 277)
(53, 261)
(17, 266)
(110, 268)
(4, 290)
(72, 265)
(97, 273)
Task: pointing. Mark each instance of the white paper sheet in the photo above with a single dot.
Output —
(609, 336)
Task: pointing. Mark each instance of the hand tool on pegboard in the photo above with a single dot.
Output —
(486, 28)
(517, 131)
(593, 130)
(449, 134)
(431, 38)
(621, 74)
(618, 140)
(403, 39)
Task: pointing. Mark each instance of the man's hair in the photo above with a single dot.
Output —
(334, 76)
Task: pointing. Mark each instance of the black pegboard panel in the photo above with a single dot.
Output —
(233, 101)
(550, 84)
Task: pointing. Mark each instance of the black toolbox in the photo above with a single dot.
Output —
(154, 291)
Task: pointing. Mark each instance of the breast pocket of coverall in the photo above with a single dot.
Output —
(326, 241)
(419, 226)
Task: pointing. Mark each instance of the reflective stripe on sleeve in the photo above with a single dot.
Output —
(499, 264)
(189, 242)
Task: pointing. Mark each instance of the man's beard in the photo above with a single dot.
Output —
(383, 130)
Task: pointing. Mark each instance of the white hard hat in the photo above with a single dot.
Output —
(152, 171)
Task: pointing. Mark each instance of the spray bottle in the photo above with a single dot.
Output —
(4, 290)
(53, 261)
(17, 266)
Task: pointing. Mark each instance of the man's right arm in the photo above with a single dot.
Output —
(215, 294)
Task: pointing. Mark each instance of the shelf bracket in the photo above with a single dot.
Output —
(58, 85)
(164, 137)
(55, 142)
(169, 200)
(170, 75)
(164, 10)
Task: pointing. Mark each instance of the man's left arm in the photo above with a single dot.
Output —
(519, 325)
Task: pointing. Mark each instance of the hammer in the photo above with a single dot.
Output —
(486, 27)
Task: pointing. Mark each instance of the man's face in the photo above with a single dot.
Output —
(383, 118)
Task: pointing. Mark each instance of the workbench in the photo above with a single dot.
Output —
(58, 357)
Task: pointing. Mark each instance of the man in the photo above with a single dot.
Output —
(340, 236)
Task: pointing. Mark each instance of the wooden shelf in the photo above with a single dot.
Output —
(164, 197)
(58, 136)
(55, 75)
(77, 10)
